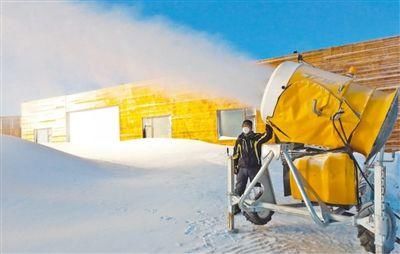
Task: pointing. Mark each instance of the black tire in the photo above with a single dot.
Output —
(367, 238)
(257, 218)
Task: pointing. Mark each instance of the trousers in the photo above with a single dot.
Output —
(242, 177)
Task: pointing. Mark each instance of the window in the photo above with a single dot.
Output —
(230, 121)
(42, 136)
(157, 127)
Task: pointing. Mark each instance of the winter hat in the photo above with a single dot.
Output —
(247, 123)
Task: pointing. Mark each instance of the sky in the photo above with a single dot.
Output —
(54, 48)
(266, 29)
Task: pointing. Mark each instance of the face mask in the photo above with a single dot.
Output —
(246, 130)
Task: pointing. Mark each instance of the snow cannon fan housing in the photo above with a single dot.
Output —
(311, 106)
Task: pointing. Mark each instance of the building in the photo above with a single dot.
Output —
(146, 110)
(10, 125)
(133, 111)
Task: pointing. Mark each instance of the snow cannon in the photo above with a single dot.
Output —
(320, 120)
(307, 105)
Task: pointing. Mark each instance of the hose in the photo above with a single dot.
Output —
(350, 152)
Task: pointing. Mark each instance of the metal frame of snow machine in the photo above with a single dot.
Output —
(377, 219)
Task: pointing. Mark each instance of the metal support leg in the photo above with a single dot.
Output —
(324, 221)
(230, 193)
(261, 173)
(379, 203)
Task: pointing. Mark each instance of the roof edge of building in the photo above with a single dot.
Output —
(293, 55)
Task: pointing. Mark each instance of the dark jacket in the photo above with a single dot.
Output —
(247, 151)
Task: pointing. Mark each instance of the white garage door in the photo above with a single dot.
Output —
(94, 126)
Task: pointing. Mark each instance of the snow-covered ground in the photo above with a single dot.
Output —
(153, 195)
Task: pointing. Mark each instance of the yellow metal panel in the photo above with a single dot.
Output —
(372, 120)
(46, 113)
(332, 176)
(294, 120)
(193, 115)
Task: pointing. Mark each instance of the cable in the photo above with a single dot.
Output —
(362, 173)
(350, 152)
(396, 215)
(337, 130)
(344, 133)
(372, 161)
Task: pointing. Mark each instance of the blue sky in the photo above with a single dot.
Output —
(272, 28)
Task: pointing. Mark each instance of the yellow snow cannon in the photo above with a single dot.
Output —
(320, 119)
(311, 106)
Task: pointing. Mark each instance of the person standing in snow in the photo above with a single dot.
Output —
(247, 154)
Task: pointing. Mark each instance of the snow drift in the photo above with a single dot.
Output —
(160, 195)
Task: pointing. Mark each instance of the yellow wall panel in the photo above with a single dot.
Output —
(193, 116)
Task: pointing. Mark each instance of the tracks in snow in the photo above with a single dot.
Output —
(283, 234)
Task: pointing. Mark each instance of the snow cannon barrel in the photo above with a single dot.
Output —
(304, 104)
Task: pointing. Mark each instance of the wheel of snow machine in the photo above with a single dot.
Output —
(367, 238)
(258, 218)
